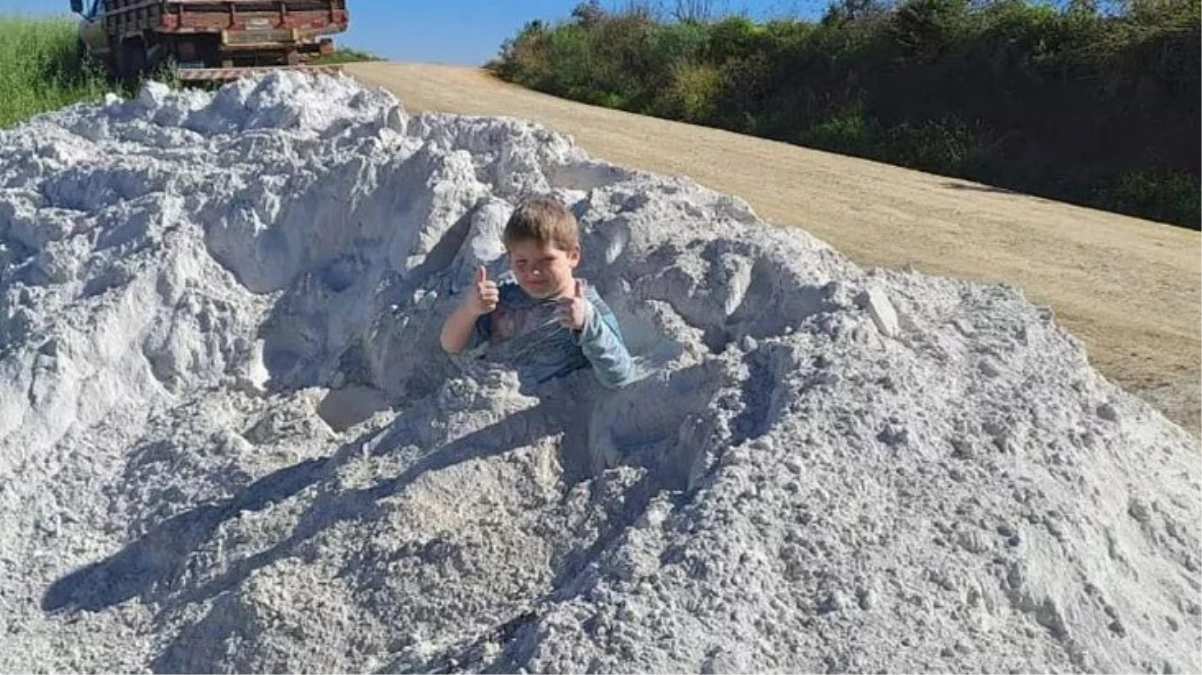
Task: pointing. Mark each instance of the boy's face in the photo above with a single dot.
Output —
(543, 270)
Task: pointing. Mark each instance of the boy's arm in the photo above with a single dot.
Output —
(601, 342)
(457, 331)
(460, 326)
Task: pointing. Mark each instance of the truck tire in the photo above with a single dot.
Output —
(131, 60)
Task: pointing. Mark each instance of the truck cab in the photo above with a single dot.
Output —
(91, 28)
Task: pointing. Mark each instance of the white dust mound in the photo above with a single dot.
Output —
(230, 442)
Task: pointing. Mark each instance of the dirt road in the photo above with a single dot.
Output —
(1129, 288)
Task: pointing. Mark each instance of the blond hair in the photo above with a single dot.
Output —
(542, 220)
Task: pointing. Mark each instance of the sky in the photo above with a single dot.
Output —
(464, 32)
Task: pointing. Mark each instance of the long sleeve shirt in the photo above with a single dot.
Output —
(524, 333)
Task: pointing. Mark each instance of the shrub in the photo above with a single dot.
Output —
(1076, 104)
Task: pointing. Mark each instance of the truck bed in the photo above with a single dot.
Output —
(239, 21)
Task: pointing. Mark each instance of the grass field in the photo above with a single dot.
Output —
(41, 70)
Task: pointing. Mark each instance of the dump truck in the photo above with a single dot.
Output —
(208, 40)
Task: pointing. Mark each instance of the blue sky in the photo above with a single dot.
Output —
(467, 32)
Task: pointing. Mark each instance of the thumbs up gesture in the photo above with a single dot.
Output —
(484, 295)
(573, 310)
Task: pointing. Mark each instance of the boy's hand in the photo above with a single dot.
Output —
(572, 311)
(484, 296)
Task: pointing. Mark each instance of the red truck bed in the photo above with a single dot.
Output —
(242, 22)
(213, 36)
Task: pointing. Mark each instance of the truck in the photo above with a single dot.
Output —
(208, 40)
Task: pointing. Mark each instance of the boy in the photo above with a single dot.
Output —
(548, 323)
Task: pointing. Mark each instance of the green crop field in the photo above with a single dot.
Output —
(41, 69)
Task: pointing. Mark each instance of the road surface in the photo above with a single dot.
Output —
(1131, 289)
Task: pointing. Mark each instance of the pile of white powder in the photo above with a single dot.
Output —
(230, 442)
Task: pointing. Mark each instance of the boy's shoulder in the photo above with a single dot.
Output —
(593, 296)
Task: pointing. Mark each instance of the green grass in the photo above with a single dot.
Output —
(41, 70)
(344, 55)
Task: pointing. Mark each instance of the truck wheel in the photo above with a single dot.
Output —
(131, 60)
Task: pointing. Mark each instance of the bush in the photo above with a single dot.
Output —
(850, 132)
(1164, 196)
(693, 94)
(1100, 109)
(927, 27)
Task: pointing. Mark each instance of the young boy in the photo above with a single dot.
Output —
(548, 323)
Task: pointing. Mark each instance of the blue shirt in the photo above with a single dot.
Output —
(523, 332)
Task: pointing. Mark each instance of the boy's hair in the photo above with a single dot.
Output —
(545, 221)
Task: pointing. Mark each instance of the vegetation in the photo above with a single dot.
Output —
(1095, 107)
(42, 68)
(344, 55)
